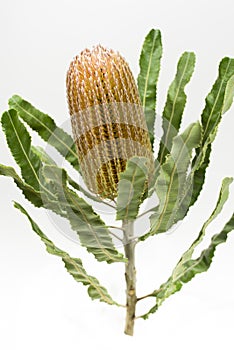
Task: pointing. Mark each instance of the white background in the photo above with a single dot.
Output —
(41, 306)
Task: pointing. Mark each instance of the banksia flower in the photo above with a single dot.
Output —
(108, 122)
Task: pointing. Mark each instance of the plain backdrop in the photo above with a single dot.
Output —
(41, 306)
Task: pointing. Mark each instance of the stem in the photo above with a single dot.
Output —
(110, 205)
(145, 296)
(116, 227)
(130, 275)
(152, 295)
(146, 212)
(116, 236)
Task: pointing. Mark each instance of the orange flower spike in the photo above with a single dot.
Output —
(108, 122)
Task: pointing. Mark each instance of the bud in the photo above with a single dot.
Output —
(107, 118)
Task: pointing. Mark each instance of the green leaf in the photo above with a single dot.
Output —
(229, 94)
(41, 153)
(147, 79)
(87, 194)
(197, 177)
(73, 266)
(46, 128)
(92, 231)
(46, 159)
(187, 267)
(175, 103)
(223, 197)
(30, 193)
(172, 178)
(131, 188)
(217, 102)
(19, 142)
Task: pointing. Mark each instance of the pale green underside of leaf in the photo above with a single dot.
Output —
(187, 267)
(30, 194)
(79, 188)
(46, 159)
(131, 188)
(229, 94)
(175, 103)
(73, 266)
(45, 126)
(92, 231)
(171, 180)
(147, 79)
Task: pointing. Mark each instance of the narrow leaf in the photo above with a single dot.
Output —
(73, 266)
(172, 177)
(198, 174)
(30, 193)
(131, 188)
(223, 197)
(217, 102)
(175, 103)
(46, 128)
(19, 142)
(147, 80)
(92, 231)
(187, 267)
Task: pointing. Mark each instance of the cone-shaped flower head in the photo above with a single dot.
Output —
(108, 122)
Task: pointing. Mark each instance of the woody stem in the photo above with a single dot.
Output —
(130, 275)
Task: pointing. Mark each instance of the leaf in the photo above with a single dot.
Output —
(46, 128)
(191, 190)
(198, 174)
(73, 266)
(147, 79)
(217, 102)
(223, 197)
(79, 188)
(229, 94)
(92, 231)
(175, 103)
(131, 188)
(19, 142)
(187, 267)
(172, 177)
(44, 157)
(32, 195)
(191, 268)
